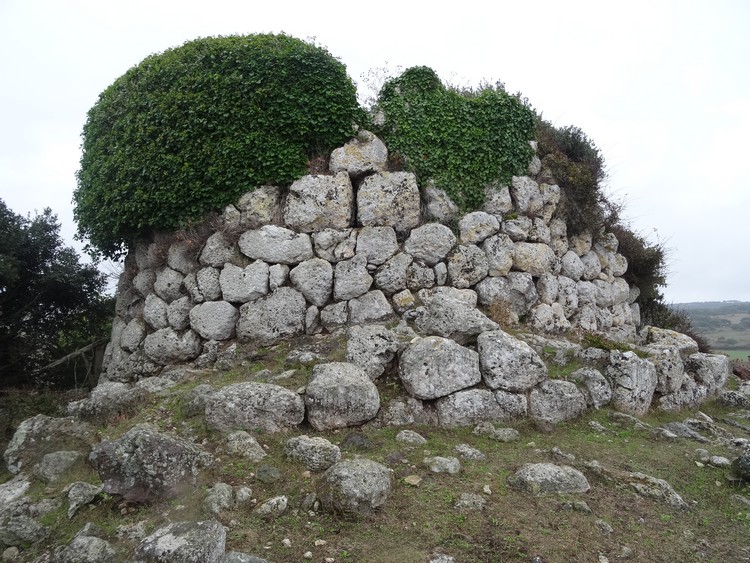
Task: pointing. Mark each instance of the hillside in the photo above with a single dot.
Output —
(725, 324)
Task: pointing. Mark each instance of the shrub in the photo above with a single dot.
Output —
(461, 140)
(189, 130)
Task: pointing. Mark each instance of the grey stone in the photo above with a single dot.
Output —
(86, 549)
(54, 466)
(178, 313)
(517, 289)
(389, 199)
(143, 282)
(391, 277)
(709, 370)
(338, 395)
(597, 389)
(547, 287)
(468, 296)
(275, 317)
(209, 283)
(334, 315)
(534, 258)
(741, 465)
(441, 273)
(643, 485)
(155, 312)
(514, 406)
(316, 454)
(591, 266)
(218, 251)
(477, 226)
(438, 204)
(251, 406)
(166, 346)
(403, 301)
(238, 557)
(145, 464)
(364, 154)
(182, 256)
(377, 244)
(312, 321)
(540, 232)
(452, 319)
(18, 527)
(81, 494)
(469, 407)
(571, 266)
(497, 200)
(467, 452)
(633, 382)
(567, 295)
(354, 487)
(430, 243)
(419, 276)
(580, 243)
(240, 285)
(434, 367)
(372, 348)
(351, 279)
(314, 279)
(260, 206)
(439, 464)
(108, 401)
(273, 507)
(195, 401)
(470, 501)
(184, 542)
(370, 307)
(507, 363)
(526, 195)
(467, 266)
(335, 245)
(168, 284)
(670, 369)
(278, 275)
(517, 229)
(540, 478)
(242, 444)
(133, 334)
(219, 498)
(499, 250)
(555, 401)
(214, 320)
(410, 437)
(548, 319)
(274, 244)
(319, 202)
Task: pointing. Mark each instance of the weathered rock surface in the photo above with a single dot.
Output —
(314, 279)
(362, 155)
(555, 401)
(184, 542)
(451, 318)
(539, 478)
(430, 243)
(108, 401)
(468, 407)
(354, 487)
(144, 464)
(640, 483)
(86, 549)
(507, 363)
(319, 202)
(214, 320)
(270, 319)
(633, 382)
(389, 199)
(372, 348)
(251, 406)
(240, 285)
(167, 346)
(274, 244)
(340, 394)
(316, 454)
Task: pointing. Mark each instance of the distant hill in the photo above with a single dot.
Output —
(725, 324)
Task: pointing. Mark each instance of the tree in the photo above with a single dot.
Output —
(50, 303)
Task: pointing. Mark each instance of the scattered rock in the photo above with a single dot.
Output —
(340, 394)
(470, 501)
(218, 499)
(438, 464)
(86, 549)
(539, 478)
(273, 507)
(410, 437)
(249, 406)
(316, 454)
(81, 494)
(354, 487)
(467, 452)
(184, 542)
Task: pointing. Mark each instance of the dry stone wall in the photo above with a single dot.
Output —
(363, 247)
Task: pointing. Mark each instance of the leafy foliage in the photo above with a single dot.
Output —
(50, 303)
(578, 167)
(189, 130)
(462, 142)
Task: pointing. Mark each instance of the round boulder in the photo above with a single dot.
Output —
(354, 487)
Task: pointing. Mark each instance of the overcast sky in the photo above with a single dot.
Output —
(662, 87)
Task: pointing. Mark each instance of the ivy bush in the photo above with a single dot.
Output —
(189, 130)
(463, 141)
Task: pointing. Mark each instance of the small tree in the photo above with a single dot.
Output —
(50, 303)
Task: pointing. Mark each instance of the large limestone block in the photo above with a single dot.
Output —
(316, 454)
(571, 266)
(467, 266)
(430, 243)
(669, 339)
(181, 256)
(251, 406)
(276, 244)
(526, 195)
(240, 285)
(260, 206)
(209, 284)
(145, 464)
(372, 307)
(497, 200)
(167, 346)
(108, 401)
(340, 394)
(591, 266)
(477, 226)
(320, 202)
(389, 199)
(155, 312)
(371, 347)
(469, 407)
(184, 542)
(517, 289)
(540, 478)
(377, 244)
(555, 401)
(670, 369)
(364, 154)
(335, 245)
(438, 204)
(314, 279)
(434, 367)
(178, 313)
(499, 250)
(534, 258)
(596, 388)
(633, 382)
(351, 279)
(133, 334)
(354, 487)
(391, 277)
(218, 251)
(275, 317)
(168, 284)
(508, 363)
(214, 320)
(710, 370)
(517, 229)
(452, 318)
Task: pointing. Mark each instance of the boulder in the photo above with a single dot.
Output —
(219, 498)
(741, 465)
(477, 226)
(354, 487)
(275, 317)
(517, 229)
(555, 401)
(251, 406)
(591, 266)
(451, 318)
(434, 367)
(709, 370)
(316, 454)
(389, 199)
(440, 464)
(240, 285)
(274, 244)
(364, 154)
(372, 307)
(571, 266)
(334, 245)
(410, 437)
(209, 284)
(372, 348)
(108, 401)
(641, 484)
(168, 284)
(181, 256)
(438, 204)
(86, 549)
(214, 320)
(155, 312)
(469, 407)
(218, 251)
(242, 444)
(133, 334)
(260, 206)
(391, 277)
(597, 390)
(41, 434)
(467, 266)
(633, 382)
(670, 369)
(499, 250)
(314, 279)
(340, 394)
(352, 279)
(145, 464)
(184, 542)
(526, 195)
(507, 363)
(319, 202)
(419, 276)
(54, 466)
(517, 289)
(178, 313)
(81, 494)
(468, 296)
(430, 243)
(377, 244)
(534, 258)
(143, 282)
(540, 478)
(167, 346)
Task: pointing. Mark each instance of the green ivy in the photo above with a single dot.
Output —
(462, 141)
(189, 130)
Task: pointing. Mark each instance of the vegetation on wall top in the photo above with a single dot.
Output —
(189, 130)
(463, 141)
